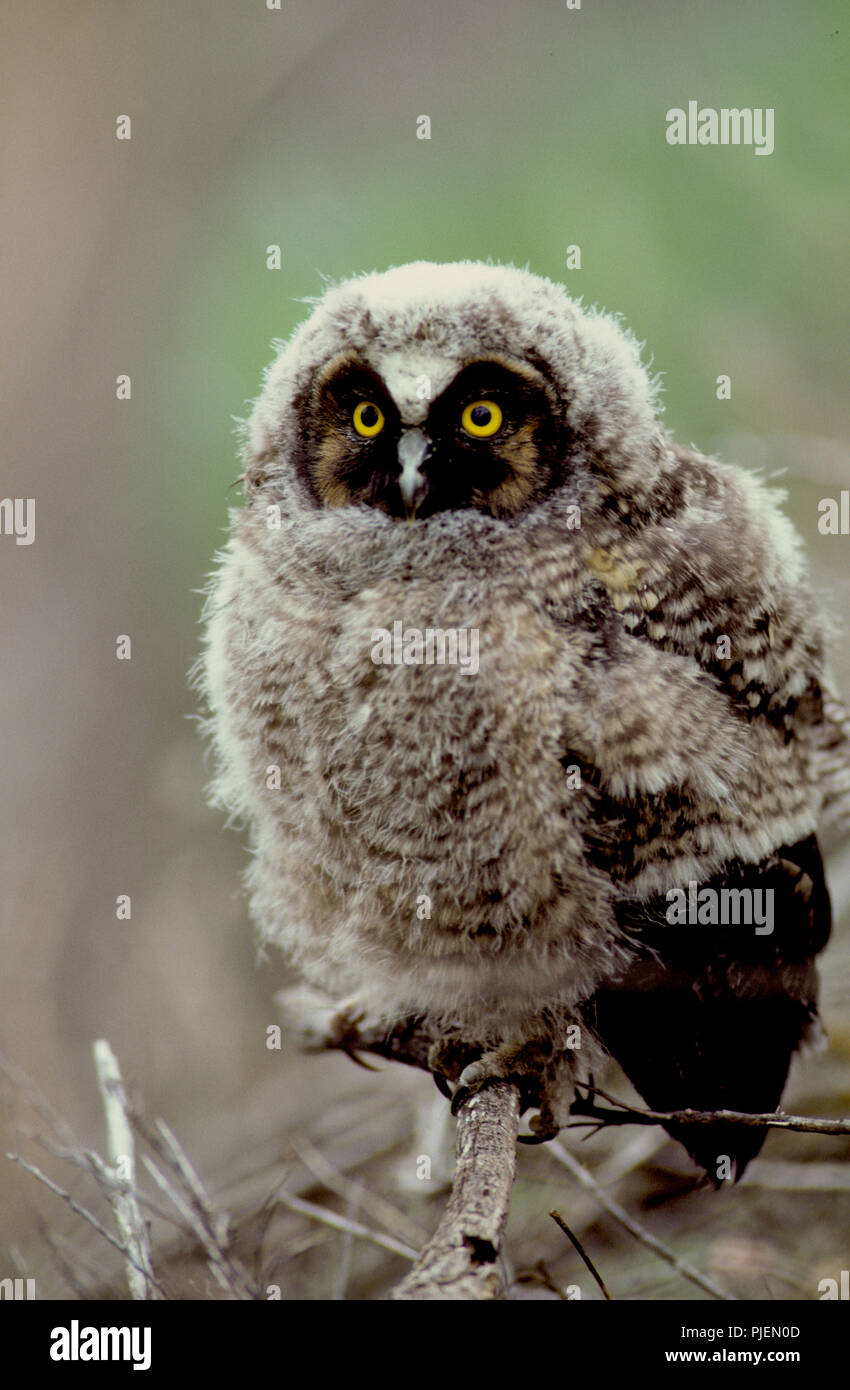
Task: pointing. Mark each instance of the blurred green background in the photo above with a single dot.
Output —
(297, 127)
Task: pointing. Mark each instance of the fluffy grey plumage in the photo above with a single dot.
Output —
(494, 850)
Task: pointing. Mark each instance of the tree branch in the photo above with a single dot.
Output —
(633, 1115)
(460, 1259)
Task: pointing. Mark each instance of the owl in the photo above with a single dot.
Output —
(525, 706)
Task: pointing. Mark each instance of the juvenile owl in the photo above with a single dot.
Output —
(524, 704)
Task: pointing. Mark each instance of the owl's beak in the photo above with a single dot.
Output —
(413, 449)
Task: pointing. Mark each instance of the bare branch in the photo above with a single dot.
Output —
(633, 1115)
(460, 1259)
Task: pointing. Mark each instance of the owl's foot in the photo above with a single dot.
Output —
(544, 1125)
(541, 1067)
(319, 1023)
(556, 1101)
(543, 1074)
(522, 1063)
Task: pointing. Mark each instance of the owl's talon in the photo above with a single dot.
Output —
(349, 1052)
(442, 1085)
(463, 1093)
(471, 1080)
(476, 1077)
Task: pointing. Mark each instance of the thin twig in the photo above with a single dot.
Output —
(559, 1220)
(93, 1166)
(587, 1180)
(209, 1225)
(411, 1042)
(343, 1268)
(626, 1114)
(217, 1221)
(38, 1100)
(68, 1269)
(343, 1223)
(229, 1275)
(368, 1202)
(82, 1212)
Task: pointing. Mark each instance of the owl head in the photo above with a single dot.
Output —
(431, 388)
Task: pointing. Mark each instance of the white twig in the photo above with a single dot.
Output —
(231, 1278)
(79, 1211)
(217, 1222)
(368, 1202)
(343, 1223)
(122, 1190)
(343, 1269)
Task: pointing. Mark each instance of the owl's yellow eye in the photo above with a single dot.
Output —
(481, 419)
(368, 419)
